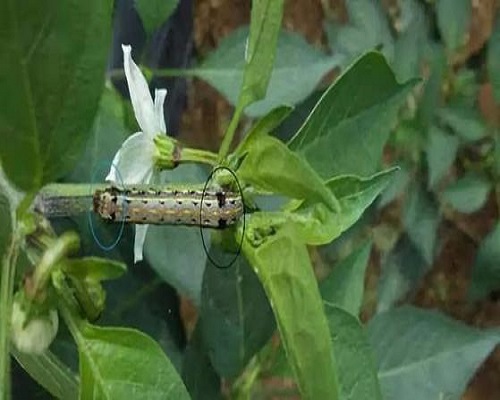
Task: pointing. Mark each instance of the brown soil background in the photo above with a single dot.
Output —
(445, 286)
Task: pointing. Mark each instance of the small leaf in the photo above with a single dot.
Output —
(317, 225)
(486, 269)
(493, 60)
(154, 13)
(53, 74)
(271, 166)
(345, 286)
(198, 374)
(118, 363)
(49, 372)
(223, 69)
(260, 49)
(421, 220)
(441, 152)
(453, 17)
(264, 127)
(236, 319)
(367, 30)
(469, 193)
(464, 121)
(402, 271)
(358, 375)
(425, 355)
(283, 266)
(94, 268)
(396, 186)
(348, 128)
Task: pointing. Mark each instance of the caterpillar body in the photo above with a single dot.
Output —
(213, 209)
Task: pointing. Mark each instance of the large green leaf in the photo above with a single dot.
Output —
(154, 13)
(53, 62)
(494, 60)
(118, 363)
(469, 193)
(344, 287)
(425, 355)
(441, 152)
(282, 263)
(236, 318)
(318, 225)
(348, 128)
(486, 269)
(223, 69)
(453, 18)
(358, 374)
(465, 121)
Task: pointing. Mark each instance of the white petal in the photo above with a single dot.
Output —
(140, 237)
(139, 94)
(133, 163)
(160, 95)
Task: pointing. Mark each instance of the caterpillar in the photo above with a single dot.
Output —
(213, 209)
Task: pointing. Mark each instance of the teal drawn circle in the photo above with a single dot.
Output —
(90, 212)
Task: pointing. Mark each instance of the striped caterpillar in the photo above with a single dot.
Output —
(213, 209)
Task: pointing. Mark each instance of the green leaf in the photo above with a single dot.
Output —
(441, 152)
(367, 30)
(282, 263)
(421, 220)
(118, 363)
(154, 13)
(348, 128)
(358, 375)
(198, 374)
(236, 319)
(223, 69)
(345, 286)
(493, 60)
(486, 269)
(317, 225)
(95, 268)
(425, 355)
(469, 193)
(260, 49)
(453, 17)
(49, 372)
(466, 122)
(53, 58)
(402, 271)
(271, 166)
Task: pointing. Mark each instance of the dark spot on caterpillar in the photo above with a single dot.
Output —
(176, 192)
(193, 220)
(144, 218)
(206, 222)
(162, 219)
(232, 202)
(127, 217)
(112, 216)
(179, 220)
(159, 192)
(162, 202)
(145, 201)
(221, 198)
(114, 199)
(195, 203)
(192, 192)
(179, 202)
(222, 223)
(142, 192)
(128, 201)
(208, 204)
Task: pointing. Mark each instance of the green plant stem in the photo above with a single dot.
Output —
(231, 130)
(6, 294)
(190, 155)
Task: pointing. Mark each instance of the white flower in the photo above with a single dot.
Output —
(135, 159)
(35, 335)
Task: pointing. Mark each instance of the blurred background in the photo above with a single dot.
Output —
(435, 231)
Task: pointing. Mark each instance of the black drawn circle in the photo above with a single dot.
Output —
(237, 254)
